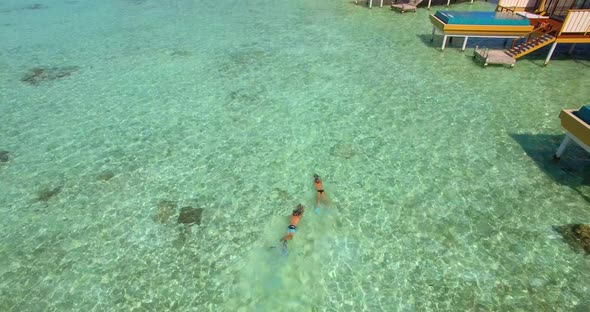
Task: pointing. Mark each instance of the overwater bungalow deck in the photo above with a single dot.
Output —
(479, 24)
(577, 129)
(556, 22)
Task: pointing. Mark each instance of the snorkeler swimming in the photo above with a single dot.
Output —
(295, 217)
(317, 182)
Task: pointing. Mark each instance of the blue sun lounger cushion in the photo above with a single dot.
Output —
(584, 114)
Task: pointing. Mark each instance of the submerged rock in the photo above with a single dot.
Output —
(38, 75)
(4, 156)
(190, 215)
(343, 150)
(184, 234)
(166, 209)
(35, 6)
(576, 235)
(281, 194)
(47, 193)
(105, 176)
(181, 53)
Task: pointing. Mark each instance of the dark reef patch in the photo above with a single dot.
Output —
(105, 176)
(184, 234)
(190, 215)
(181, 53)
(237, 62)
(35, 6)
(343, 150)
(243, 103)
(281, 194)
(47, 193)
(39, 75)
(166, 209)
(4, 156)
(576, 235)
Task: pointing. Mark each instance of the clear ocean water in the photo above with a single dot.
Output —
(443, 193)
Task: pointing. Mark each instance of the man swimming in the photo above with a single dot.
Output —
(295, 217)
(317, 182)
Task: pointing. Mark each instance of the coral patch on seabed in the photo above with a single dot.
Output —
(181, 53)
(190, 215)
(39, 75)
(105, 176)
(343, 150)
(576, 235)
(184, 234)
(281, 194)
(166, 209)
(35, 6)
(4, 156)
(47, 193)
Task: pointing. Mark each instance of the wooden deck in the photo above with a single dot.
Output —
(577, 131)
(571, 38)
(479, 30)
(575, 125)
(488, 56)
(564, 37)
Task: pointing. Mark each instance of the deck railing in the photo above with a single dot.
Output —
(576, 21)
(560, 8)
(516, 5)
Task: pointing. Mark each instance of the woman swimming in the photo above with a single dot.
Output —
(317, 182)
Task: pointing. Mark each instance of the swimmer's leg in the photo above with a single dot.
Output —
(284, 248)
(317, 205)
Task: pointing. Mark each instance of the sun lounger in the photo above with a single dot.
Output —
(576, 123)
(408, 5)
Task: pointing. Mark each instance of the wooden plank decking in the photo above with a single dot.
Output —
(487, 56)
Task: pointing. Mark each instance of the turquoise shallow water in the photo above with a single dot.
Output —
(443, 193)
